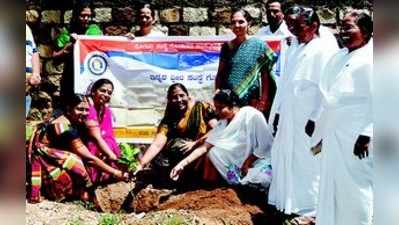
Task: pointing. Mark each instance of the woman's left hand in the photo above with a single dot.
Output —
(187, 146)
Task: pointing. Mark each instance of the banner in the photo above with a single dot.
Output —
(142, 69)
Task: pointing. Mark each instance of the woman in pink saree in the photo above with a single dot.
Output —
(100, 138)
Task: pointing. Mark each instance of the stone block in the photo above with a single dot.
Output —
(195, 15)
(224, 30)
(253, 29)
(253, 10)
(327, 16)
(178, 30)
(31, 16)
(123, 15)
(116, 30)
(171, 15)
(67, 16)
(222, 15)
(202, 31)
(51, 16)
(103, 15)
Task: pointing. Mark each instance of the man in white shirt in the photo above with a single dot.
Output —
(296, 173)
(275, 18)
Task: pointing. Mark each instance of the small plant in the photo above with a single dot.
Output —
(109, 219)
(85, 204)
(129, 156)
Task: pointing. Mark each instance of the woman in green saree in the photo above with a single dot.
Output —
(245, 66)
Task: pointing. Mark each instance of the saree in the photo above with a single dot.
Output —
(104, 122)
(245, 64)
(191, 127)
(53, 171)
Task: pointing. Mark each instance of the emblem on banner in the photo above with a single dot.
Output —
(97, 63)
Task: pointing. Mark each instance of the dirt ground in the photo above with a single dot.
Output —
(222, 206)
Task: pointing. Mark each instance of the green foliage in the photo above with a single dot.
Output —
(174, 220)
(129, 156)
(85, 204)
(109, 219)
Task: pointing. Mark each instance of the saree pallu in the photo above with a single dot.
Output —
(246, 65)
(104, 123)
(195, 128)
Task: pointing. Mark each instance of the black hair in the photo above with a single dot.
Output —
(173, 87)
(75, 26)
(272, 1)
(74, 100)
(100, 82)
(244, 12)
(148, 6)
(308, 13)
(227, 97)
(364, 22)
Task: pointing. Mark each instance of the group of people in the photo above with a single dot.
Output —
(310, 129)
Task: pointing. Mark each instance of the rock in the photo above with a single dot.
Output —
(224, 30)
(103, 15)
(67, 16)
(149, 199)
(195, 15)
(124, 15)
(253, 10)
(253, 29)
(171, 15)
(202, 31)
(51, 16)
(111, 197)
(116, 30)
(327, 16)
(31, 16)
(222, 15)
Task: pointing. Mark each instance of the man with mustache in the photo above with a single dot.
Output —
(275, 18)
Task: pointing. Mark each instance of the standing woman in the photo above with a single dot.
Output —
(245, 66)
(80, 24)
(100, 138)
(146, 20)
(346, 128)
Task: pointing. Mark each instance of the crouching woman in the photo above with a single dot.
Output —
(240, 138)
(55, 152)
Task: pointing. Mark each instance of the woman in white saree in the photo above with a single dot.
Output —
(241, 137)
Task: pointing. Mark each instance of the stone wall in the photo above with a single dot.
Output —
(179, 17)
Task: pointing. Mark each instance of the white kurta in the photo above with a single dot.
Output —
(346, 188)
(295, 181)
(247, 133)
(281, 31)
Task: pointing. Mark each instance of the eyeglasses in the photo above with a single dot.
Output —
(306, 12)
